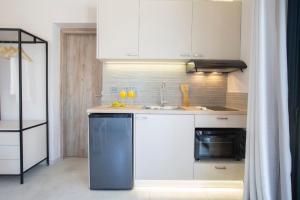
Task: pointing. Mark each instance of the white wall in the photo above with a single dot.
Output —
(44, 18)
(238, 81)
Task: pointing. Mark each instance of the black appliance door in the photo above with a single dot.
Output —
(215, 144)
(111, 151)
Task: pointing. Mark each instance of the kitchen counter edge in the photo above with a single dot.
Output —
(141, 110)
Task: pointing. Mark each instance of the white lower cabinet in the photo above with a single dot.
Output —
(9, 138)
(223, 170)
(34, 146)
(9, 167)
(9, 152)
(164, 147)
(221, 121)
(34, 149)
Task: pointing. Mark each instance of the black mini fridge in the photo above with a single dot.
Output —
(111, 151)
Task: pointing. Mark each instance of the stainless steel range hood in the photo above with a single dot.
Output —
(224, 66)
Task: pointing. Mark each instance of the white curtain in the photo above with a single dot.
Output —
(268, 159)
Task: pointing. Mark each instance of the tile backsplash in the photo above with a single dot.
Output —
(146, 78)
(237, 100)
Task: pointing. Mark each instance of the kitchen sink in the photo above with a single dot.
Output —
(162, 107)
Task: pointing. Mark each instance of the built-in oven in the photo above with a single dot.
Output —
(220, 143)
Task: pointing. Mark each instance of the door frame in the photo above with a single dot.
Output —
(64, 32)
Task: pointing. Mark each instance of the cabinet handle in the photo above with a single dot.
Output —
(142, 118)
(185, 55)
(131, 54)
(222, 118)
(198, 55)
(220, 167)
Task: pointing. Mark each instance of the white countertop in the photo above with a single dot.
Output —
(192, 110)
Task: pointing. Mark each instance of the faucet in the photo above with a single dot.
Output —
(163, 100)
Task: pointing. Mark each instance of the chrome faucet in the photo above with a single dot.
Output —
(163, 91)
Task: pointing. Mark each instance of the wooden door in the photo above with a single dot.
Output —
(165, 29)
(80, 88)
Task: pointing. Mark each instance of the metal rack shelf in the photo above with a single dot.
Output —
(19, 37)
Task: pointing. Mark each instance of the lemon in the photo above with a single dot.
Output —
(123, 94)
(131, 94)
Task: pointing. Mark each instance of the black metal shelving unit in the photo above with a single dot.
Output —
(24, 37)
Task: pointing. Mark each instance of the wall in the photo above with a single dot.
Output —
(237, 100)
(238, 81)
(44, 18)
(205, 89)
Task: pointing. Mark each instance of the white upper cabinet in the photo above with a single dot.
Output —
(216, 29)
(169, 29)
(165, 29)
(118, 29)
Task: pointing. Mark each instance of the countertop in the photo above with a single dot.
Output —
(135, 109)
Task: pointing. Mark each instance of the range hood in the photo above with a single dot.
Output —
(223, 66)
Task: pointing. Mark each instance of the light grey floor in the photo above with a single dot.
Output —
(68, 180)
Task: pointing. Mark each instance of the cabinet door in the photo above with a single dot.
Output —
(165, 29)
(216, 29)
(118, 29)
(164, 146)
(219, 170)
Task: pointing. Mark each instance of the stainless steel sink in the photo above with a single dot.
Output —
(162, 107)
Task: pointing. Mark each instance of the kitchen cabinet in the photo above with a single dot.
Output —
(164, 147)
(216, 32)
(169, 29)
(221, 121)
(165, 29)
(118, 29)
(219, 170)
(34, 148)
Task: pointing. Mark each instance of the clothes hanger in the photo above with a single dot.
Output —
(9, 52)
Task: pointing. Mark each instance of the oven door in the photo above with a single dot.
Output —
(214, 145)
